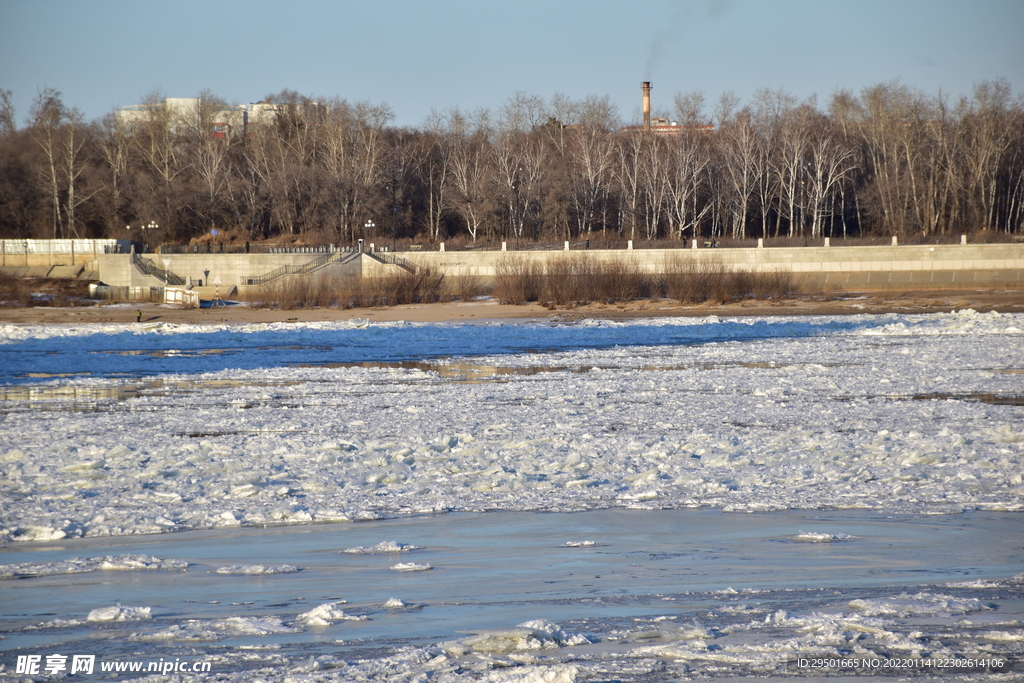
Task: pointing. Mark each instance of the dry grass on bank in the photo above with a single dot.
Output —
(17, 292)
(687, 281)
(580, 280)
(354, 292)
(570, 280)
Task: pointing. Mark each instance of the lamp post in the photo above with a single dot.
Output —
(393, 186)
(369, 225)
(143, 228)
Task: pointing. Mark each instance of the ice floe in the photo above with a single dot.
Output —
(77, 565)
(120, 613)
(918, 604)
(819, 537)
(197, 630)
(536, 634)
(258, 569)
(410, 567)
(740, 415)
(383, 548)
(178, 427)
(327, 614)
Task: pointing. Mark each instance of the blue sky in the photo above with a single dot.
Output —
(418, 55)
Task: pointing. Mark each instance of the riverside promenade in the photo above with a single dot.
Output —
(858, 268)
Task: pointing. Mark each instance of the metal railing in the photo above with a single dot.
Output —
(304, 269)
(150, 268)
(256, 248)
(384, 257)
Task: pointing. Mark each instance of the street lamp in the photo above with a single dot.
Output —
(369, 225)
(152, 226)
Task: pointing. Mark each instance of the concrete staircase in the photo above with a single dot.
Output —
(305, 269)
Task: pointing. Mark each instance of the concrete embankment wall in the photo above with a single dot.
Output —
(65, 258)
(877, 267)
(205, 270)
(836, 268)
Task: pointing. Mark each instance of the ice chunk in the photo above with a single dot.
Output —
(410, 567)
(194, 630)
(258, 569)
(119, 613)
(326, 614)
(37, 533)
(78, 565)
(140, 563)
(382, 548)
(398, 603)
(1004, 636)
(559, 673)
(537, 634)
(816, 537)
(917, 605)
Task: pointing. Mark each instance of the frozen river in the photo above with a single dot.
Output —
(642, 501)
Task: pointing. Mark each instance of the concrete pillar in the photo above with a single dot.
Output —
(828, 242)
(963, 239)
(442, 246)
(360, 246)
(566, 245)
(693, 243)
(629, 245)
(895, 241)
(760, 243)
(504, 246)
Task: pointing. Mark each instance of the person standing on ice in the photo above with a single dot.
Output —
(138, 316)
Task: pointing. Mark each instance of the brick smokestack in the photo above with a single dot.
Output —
(646, 86)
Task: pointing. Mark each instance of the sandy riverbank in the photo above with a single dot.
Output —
(911, 302)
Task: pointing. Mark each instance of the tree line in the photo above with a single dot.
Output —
(888, 161)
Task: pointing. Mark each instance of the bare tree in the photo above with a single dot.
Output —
(281, 150)
(470, 167)
(59, 133)
(204, 133)
(988, 137)
(402, 186)
(656, 168)
(591, 155)
(115, 145)
(155, 129)
(740, 147)
(434, 152)
(353, 150)
(790, 167)
(689, 157)
(632, 149)
(519, 166)
(690, 108)
(522, 112)
(47, 115)
(725, 106)
(7, 122)
(885, 113)
(830, 163)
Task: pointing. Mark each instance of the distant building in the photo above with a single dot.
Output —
(664, 127)
(183, 112)
(671, 128)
